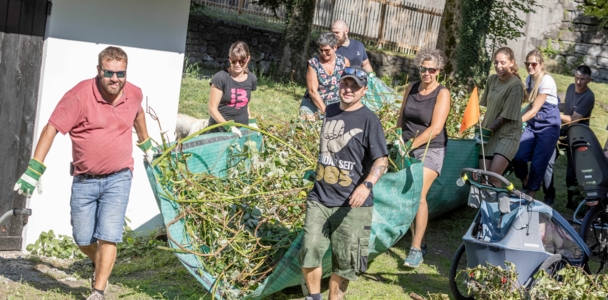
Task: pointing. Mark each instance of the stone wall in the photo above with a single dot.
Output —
(581, 40)
(575, 38)
(208, 42)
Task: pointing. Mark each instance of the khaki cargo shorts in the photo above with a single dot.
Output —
(346, 229)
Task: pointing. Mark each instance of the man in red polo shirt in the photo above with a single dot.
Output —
(99, 115)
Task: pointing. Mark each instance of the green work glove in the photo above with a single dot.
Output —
(146, 147)
(253, 122)
(28, 182)
(482, 137)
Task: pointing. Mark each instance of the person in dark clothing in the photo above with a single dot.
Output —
(422, 117)
(540, 135)
(231, 90)
(577, 107)
(349, 48)
(352, 158)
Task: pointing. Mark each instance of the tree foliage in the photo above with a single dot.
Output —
(298, 25)
(596, 8)
(504, 21)
(487, 25)
(472, 58)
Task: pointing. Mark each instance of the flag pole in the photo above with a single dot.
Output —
(483, 154)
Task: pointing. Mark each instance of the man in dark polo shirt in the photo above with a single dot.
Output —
(352, 158)
(577, 108)
(349, 48)
(99, 114)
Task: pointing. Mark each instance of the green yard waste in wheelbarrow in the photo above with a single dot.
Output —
(396, 198)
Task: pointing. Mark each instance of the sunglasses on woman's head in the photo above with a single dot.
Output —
(240, 61)
(110, 74)
(531, 64)
(357, 72)
(423, 70)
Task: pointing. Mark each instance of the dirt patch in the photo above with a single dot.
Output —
(19, 273)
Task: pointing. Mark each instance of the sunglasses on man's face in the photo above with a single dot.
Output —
(423, 70)
(242, 62)
(357, 72)
(531, 64)
(110, 74)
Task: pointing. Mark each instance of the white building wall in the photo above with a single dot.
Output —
(153, 33)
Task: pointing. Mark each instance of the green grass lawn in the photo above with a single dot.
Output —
(159, 275)
(386, 278)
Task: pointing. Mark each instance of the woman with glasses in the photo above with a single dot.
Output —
(541, 133)
(323, 78)
(422, 117)
(231, 90)
(503, 96)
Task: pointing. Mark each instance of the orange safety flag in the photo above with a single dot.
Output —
(471, 113)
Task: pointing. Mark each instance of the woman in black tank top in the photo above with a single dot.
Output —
(422, 118)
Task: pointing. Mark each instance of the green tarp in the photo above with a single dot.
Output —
(396, 199)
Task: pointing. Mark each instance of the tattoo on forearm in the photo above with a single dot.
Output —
(497, 124)
(379, 167)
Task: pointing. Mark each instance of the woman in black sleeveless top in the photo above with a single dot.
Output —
(422, 117)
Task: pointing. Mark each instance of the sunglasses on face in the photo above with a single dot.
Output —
(110, 74)
(242, 62)
(423, 70)
(531, 64)
(359, 73)
(326, 51)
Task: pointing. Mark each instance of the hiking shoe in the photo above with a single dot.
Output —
(414, 259)
(96, 296)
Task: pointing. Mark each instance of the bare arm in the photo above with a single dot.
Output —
(567, 119)
(534, 108)
(361, 192)
(400, 118)
(47, 136)
(312, 83)
(346, 62)
(140, 126)
(367, 66)
(440, 115)
(214, 102)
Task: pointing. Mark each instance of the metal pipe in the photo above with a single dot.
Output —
(5, 216)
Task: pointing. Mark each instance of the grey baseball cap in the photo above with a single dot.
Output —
(356, 73)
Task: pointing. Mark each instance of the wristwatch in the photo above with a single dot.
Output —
(368, 185)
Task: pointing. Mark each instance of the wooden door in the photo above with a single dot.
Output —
(22, 26)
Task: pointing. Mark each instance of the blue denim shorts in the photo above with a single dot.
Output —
(99, 206)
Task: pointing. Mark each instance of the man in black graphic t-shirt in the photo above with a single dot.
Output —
(352, 158)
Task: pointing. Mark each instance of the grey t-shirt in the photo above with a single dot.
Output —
(580, 103)
(235, 96)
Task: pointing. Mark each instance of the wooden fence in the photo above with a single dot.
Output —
(398, 25)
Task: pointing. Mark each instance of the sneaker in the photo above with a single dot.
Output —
(414, 259)
(96, 296)
(549, 201)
